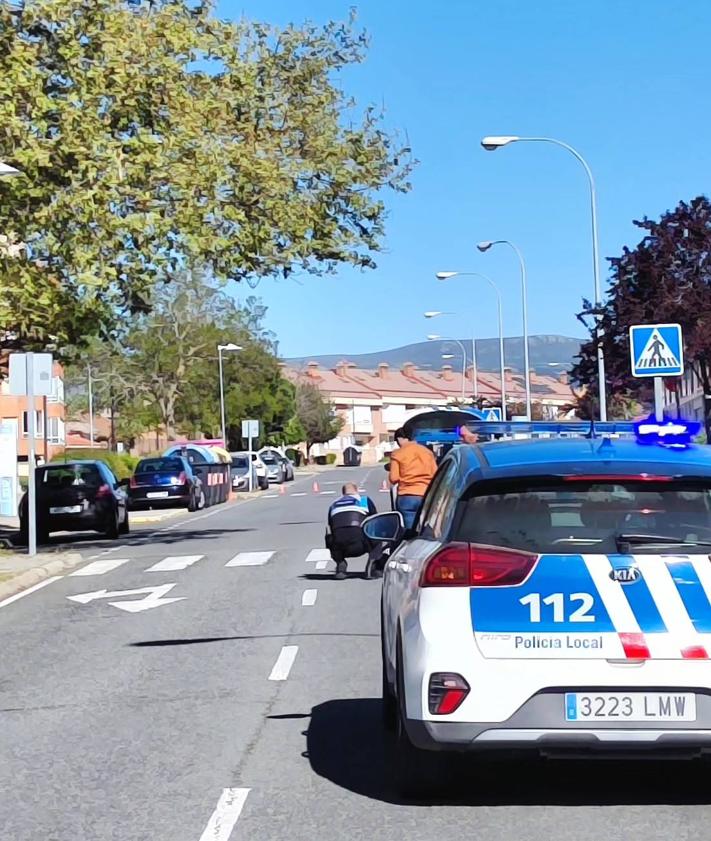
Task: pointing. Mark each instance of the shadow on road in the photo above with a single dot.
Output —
(203, 640)
(88, 540)
(346, 744)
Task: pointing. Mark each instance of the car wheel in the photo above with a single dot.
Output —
(113, 529)
(42, 532)
(389, 707)
(201, 500)
(125, 527)
(417, 773)
(264, 484)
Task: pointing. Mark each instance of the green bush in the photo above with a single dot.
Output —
(330, 458)
(121, 465)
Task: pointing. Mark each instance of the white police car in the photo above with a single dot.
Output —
(554, 595)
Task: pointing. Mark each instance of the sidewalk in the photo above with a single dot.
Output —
(19, 571)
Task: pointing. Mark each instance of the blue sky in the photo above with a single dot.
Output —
(627, 83)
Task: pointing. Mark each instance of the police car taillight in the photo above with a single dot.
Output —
(446, 692)
(475, 565)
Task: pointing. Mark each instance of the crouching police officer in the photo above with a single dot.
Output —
(344, 535)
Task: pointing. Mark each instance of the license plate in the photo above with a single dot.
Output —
(66, 509)
(158, 495)
(630, 706)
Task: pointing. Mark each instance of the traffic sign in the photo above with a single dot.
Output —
(493, 414)
(250, 429)
(656, 350)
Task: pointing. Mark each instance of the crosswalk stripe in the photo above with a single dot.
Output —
(321, 564)
(174, 563)
(301, 493)
(318, 555)
(308, 598)
(249, 559)
(100, 567)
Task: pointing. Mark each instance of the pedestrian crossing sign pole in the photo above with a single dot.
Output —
(657, 350)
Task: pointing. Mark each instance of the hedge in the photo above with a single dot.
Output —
(122, 465)
(331, 458)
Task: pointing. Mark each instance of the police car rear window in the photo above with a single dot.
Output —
(607, 516)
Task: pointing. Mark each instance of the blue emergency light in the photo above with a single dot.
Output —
(668, 433)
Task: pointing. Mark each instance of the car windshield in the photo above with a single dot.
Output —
(160, 465)
(240, 461)
(268, 458)
(602, 516)
(71, 475)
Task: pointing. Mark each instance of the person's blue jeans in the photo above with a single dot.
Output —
(408, 505)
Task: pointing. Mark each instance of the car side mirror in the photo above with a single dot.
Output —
(388, 527)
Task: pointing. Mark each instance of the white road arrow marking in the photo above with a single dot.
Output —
(175, 563)
(154, 597)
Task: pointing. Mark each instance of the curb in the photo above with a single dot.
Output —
(35, 575)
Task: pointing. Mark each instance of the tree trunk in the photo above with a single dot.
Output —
(112, 402)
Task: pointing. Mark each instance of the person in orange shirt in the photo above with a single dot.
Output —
(411, 469)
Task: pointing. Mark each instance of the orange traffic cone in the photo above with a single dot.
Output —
(316, 490)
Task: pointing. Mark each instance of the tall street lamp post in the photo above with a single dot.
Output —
(435, 314)
(434, 337)
(491, 144)
(502, 366)
(485, 246)
(228, 348)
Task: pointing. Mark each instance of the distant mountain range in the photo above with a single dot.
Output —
(548, 354)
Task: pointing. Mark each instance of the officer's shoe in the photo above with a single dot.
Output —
(341, 568)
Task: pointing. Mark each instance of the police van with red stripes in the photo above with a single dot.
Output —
(554, 596)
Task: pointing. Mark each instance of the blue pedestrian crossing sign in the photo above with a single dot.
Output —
(656, 350)
(493, 414)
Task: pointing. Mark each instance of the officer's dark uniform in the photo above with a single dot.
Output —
(345, 538)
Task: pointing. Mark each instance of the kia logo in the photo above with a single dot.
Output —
(625, 575)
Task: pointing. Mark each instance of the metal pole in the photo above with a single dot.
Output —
(524, 298)
(474, 370)
(501, 357)
(596, 261)
(251, 467)
(659, 398)
(91, 408)
(222, 398)
(31, 485)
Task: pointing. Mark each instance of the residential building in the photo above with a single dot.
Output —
(374, 403)
(49, 419)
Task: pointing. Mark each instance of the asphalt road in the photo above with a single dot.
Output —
(247, 707)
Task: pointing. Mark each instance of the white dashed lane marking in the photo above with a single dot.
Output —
(101, 567)
(226, 814)
(308, 599)
(301, 493)
(318, 555)
(249, 559)
(174, 563)
(284, 662)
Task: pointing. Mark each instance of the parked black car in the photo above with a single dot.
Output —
(165, 481)
(77, 496)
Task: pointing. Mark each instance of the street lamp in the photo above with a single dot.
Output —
(434, 337)
(435, 314)
(448, 276)
(7, 171)
(485, 246)
(491, 144)
(228, 348)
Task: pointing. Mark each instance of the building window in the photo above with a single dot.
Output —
(39, 424)
(55, 431)
(57, 395)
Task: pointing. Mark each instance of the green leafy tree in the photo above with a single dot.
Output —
(665, 278)
(316, 416)
(155, 136)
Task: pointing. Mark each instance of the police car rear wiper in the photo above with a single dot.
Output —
(652, 539)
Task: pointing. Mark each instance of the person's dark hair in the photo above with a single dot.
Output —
(401, 433)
